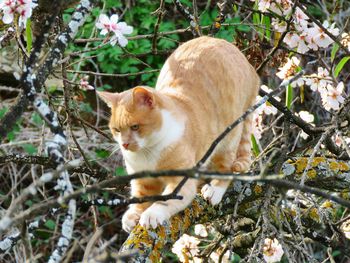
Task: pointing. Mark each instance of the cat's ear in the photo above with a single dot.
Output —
(108, 97)
(143, 97)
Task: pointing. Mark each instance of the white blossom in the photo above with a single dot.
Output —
(345, 227)
(332, 97)
(266, 108)
(200, 230)
(278, 25)
(319, 81)
(186, 247)
(289, 69)
(225, 258)
(307, 117)
(300, 17)
(345, 40)
(272, 250)
(318, 36)
(111, 25)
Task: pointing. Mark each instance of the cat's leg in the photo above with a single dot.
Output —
(215, 190)
(232, 156)
(140, 188)
(161, 211)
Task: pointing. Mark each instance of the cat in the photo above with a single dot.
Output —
(205, 85)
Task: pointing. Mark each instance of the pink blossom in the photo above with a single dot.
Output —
(23, 8)
(338, 141)
(111, 25)
(257, 126)
(84, 84)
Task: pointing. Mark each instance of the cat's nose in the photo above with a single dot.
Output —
(125, 145)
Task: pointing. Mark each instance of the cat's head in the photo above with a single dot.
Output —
(135, 117)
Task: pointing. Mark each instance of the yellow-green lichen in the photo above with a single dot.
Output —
(327, 204)
(334, 166)
(187, 218)
(313, 213)
(317, 160)
(174, 227)
(343, 166)
(257, 189)
(140, 237)
(301, 164)
(311, 173)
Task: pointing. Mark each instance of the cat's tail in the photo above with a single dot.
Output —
(243, 155)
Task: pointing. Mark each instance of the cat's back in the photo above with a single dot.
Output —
(212, 67)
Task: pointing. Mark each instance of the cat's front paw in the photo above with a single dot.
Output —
(154, 216)
(130, 220)
(212, 193)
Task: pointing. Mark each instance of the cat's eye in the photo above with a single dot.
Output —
(115, 130)
(135, 127)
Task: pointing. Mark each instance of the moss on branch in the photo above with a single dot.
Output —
(327, 174)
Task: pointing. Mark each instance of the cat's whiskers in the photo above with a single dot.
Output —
(148, 154)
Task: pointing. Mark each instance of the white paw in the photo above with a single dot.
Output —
(130, 220)
(213, 193)
(154, 216)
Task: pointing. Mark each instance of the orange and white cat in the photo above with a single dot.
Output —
(204, 86)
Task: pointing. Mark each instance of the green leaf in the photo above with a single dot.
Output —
(106, 210)
(255, 145)
(3, 111)
(334, 51)
(28, 203)
(267, 23)
(235, 258)
(29, 148)
(289, 96)
(120, 171)
(102, 153)
(37, 119)
(29, 35)
(11, 136)
(85, 107)
(340, 66)
(50, 224)
(52, 89)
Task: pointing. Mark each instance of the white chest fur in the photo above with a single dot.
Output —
(147, 157)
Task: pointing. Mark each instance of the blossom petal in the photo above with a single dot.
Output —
(7, 18)
(124, 28)
(122, 41)
(114, 19)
